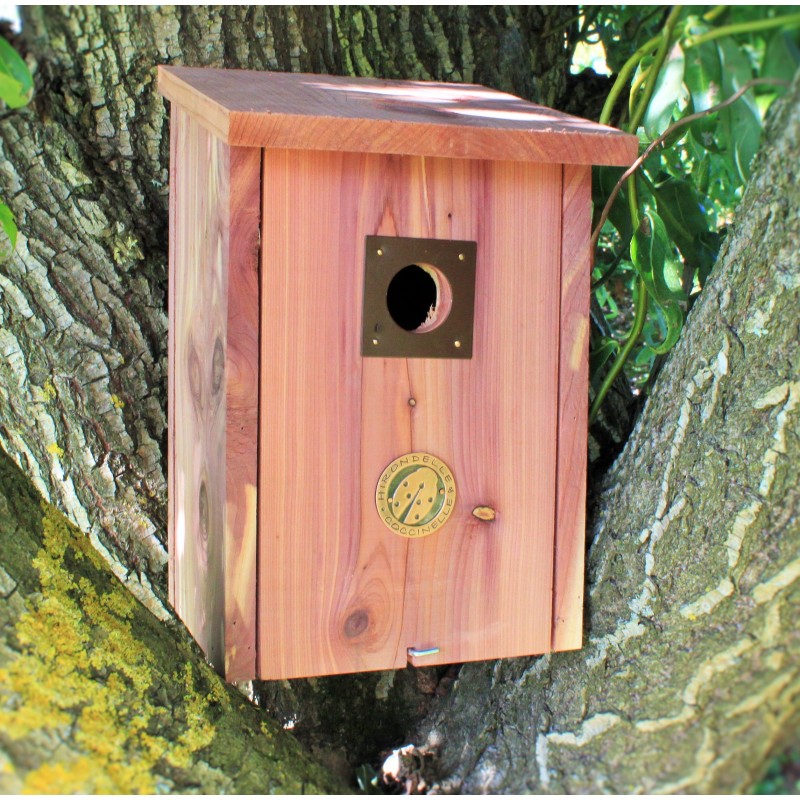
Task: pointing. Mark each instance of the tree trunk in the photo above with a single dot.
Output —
(690, 674)
(85, 171)
(97, 696)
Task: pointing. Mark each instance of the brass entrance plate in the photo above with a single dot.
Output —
(446, 270)
(416, 495)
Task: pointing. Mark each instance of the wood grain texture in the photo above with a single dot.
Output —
(573, 394)
(323, 112)
(331, 582)
(212, 423)
(241, 394)
(197, 407)
(338, 591)
(478, 589)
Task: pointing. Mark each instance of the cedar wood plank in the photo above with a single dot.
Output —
(241, 432)
(573, 421)
(198, 287)
(213, 343)
(323, 112)
(476, 589)
(331, 578)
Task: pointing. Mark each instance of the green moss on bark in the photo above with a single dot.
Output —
(131, 701)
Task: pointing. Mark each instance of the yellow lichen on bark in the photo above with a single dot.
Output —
(84, 676)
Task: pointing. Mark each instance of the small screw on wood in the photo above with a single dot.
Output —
(457, 343)
(412, 402)
(380, 252)
(374, 341)
(460, 256)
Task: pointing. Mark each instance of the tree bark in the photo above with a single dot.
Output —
(690, 674)
(97, 696)
(85, 171)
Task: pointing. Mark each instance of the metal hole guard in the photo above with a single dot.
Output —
(385, 256)
(415, 495)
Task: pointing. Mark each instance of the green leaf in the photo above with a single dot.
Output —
(605, 349)
(606, 301)
(16, 82)
(742, 120)
(673, 322)
(650, 249)
(781, 59)
(644, 357)
(702, 175)
(678, 198)
(703, 78)
(667, 92)
(8, 224)
(686, 224)
(703, 73)
(649, 253)
(673, 278)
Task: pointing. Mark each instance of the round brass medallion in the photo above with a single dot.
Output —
(416, 495)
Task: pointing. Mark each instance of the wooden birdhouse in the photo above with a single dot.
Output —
(378, 302)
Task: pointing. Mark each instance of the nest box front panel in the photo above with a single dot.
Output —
(339, 591)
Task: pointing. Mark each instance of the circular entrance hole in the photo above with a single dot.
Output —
(419, 298)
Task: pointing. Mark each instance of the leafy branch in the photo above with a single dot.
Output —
(744, 27)
(641, 301)
(660, 140)
(668, 236)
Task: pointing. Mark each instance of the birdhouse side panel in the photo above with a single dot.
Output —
(213, 272)
(241, 397)
(573, 393)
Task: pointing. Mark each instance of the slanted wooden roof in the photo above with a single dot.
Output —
(323, 112)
